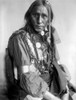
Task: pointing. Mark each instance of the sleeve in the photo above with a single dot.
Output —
(65, 71)
(56, 36)
(57, 54)
(57, 41)
(33, 84)
(9, 73)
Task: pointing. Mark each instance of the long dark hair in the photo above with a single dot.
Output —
(52, 44)
(49, 8)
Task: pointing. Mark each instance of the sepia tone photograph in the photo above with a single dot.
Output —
(37, 49)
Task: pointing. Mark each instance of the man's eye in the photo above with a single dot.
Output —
(44, 16)
(35, 15)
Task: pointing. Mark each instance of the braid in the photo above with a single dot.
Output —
(52, 47)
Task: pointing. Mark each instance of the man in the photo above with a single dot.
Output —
(32, 49)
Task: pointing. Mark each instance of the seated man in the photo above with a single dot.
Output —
(32, 68)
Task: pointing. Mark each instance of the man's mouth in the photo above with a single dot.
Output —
(39, 27)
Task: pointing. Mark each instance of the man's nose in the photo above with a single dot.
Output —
(39, 20)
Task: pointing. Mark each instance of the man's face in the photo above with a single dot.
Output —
(39, 18)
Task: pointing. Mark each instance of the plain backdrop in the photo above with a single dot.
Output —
(12, 18)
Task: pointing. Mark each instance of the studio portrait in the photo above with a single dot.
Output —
(37, 50)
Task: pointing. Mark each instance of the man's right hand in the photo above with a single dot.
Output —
(29, 97)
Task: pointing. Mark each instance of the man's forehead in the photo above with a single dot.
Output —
(40, 9)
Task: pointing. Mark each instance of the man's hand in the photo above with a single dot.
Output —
(29, 97)
(56, 98)
(49, 96)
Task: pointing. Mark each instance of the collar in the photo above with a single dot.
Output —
(29, 29)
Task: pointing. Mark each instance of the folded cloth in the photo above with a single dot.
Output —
(33, 84)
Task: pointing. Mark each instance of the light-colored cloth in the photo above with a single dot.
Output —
(33, 84)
